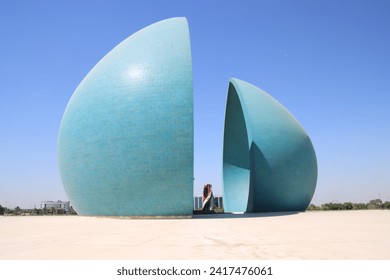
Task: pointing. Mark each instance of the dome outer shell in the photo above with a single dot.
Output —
(126, 138)
(269, 163)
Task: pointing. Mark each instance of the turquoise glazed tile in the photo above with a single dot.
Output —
(269, 163)
(126, 137)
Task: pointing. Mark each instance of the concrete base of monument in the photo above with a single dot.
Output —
(145, 217)
(337, 235)
(202, 212)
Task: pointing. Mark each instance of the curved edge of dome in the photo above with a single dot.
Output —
(267, 154)
(78, 128)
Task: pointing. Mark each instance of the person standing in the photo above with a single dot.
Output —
(207, 198)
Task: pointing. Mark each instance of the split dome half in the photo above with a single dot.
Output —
(126, 141)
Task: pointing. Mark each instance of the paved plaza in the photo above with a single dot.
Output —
(338, 235)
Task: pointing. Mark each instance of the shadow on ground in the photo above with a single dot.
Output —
(241, 215)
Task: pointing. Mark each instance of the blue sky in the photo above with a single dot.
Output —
(327, 62)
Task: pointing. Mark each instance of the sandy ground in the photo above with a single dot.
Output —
(339, 235)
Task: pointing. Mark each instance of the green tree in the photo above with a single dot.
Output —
(2, 210)
(18, 210)
(360, 206)
(313, 207)
(347, 206)
(332, 206)
(386, 205)
(375, 204)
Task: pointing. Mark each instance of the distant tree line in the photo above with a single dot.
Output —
(42, 211)
(373, 204)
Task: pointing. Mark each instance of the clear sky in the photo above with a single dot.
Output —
(326, 61)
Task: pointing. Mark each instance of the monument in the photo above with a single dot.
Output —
(269, 163)
(126, 138)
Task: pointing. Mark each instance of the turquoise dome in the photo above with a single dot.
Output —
(269, 163)
(126, 138)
